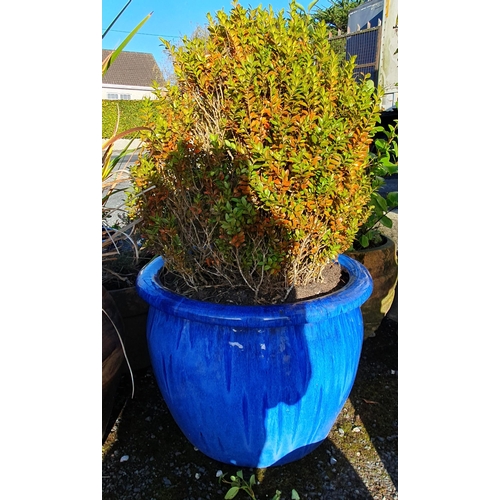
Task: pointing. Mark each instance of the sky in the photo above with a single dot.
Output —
(170, 20)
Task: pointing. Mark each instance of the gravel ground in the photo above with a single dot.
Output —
(145, 455)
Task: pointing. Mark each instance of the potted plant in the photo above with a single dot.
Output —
(259, 160)
(113, 238)
(123, 256)
(372, 246)
(120, 258)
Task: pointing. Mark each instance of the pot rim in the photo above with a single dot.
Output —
(350, 296)
(388, 243)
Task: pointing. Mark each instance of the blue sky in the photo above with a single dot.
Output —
(170, 19)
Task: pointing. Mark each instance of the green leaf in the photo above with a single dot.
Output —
(312, 4)
(381, 144)
(232, 492)
(300, 7)
(379, 202)
(109, 60)
(392, 199)
(295, 495)
(386, 221)
(364, 240)
(392, 168)
(252, 480)
(240, 474)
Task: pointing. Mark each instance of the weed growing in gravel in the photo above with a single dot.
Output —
(238, 483)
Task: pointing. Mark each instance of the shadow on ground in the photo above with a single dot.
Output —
(146, 456)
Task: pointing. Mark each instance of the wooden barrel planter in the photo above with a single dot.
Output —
(382, 265)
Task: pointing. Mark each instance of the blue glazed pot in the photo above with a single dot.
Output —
(255, 386)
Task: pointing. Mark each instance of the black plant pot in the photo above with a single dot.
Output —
(112, 356)
(134, 313)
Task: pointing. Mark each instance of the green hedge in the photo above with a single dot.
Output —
(130, 116)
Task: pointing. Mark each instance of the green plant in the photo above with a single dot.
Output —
(108, 61)
(258, 154)
(118, 238)
(238, 483)
(384, 162)
(121, 253)
(337, 13)
(130, 113)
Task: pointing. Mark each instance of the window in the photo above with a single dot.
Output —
(125, 97)
(113, 96)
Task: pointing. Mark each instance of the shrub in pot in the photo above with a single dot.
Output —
(257, 177)
(374, 249)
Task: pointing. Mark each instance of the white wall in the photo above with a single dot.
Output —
(134, 92)
(388, 66)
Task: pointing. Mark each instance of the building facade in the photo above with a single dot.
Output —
(131, 76)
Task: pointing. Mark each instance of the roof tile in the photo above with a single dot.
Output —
(132, 68)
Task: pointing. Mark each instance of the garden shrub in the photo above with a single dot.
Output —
(258, 155)
(130, 116)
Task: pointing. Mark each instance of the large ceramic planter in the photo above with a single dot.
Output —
(255, 386)
(382, 264)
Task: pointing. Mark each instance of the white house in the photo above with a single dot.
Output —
(130, 76)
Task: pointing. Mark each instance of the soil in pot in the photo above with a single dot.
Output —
(333, 278)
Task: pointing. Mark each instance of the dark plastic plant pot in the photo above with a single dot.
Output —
(134, 312)
(112, 356)
(255, 386)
